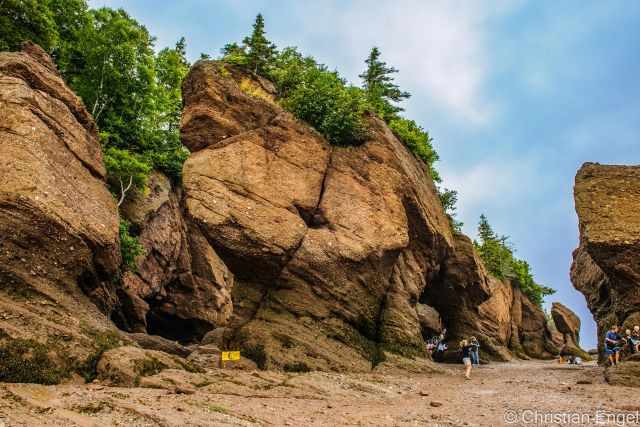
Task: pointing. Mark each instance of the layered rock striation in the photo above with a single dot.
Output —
(59, 247)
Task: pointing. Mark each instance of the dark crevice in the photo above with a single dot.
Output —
(323, 185)
(378, 357)
(243, 268)
(314, 218)
(161, 321)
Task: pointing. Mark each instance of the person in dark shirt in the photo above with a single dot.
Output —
(438, 355)
(630, 346)
(613, 345)
(475, 351)
(466, 348)
(635, 339)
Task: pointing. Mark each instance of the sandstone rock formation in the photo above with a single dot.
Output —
(476, 304)
(58, 221)
(330, 247)
(304, 255)
(430, 320)
(334, 250)
(606, 265)
(568, 325)
(181, 288)
(625, 374)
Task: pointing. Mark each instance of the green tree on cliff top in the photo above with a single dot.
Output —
(260, 51)
(378, 83)
(256, 52)
(497, 256)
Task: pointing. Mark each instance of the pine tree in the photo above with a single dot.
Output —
(485, 231)
(378, 83)
(260, 51)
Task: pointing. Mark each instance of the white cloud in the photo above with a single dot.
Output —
(486, 184)
(440, 46)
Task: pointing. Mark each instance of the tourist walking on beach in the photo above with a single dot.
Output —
(465, 349)
(612, 342)
(475, 351)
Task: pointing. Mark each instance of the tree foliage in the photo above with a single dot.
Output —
(134, 94)
(260, 51)
(382, 92)
(320, 97)
(449, 199)
(257, 53)
(22, 20)
(497, 255)
(127, 172)
(130, 246)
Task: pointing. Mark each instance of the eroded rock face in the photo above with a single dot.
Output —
(473, 303)
(534, 336)
(568, 324)
(606, 265)
(430, 321)
(626, 373)
(331, 247)
(58, 221)
(339, 254)
(180, 289)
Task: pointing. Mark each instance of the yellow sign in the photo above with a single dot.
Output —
(230, 355)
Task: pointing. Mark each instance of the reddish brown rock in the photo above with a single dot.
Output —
(606, 265)
(568, 325)
(181, 288)
(331, 247)
(58, 221)
(473, 303)
(430, 321)
(216, 107)
(534, 335)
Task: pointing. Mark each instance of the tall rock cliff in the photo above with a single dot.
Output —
(337, 252)
(606, 265)
(330, 247)
(58, 221)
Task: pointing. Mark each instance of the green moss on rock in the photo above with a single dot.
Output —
(28, 361)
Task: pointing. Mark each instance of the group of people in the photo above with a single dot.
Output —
(566, 355)
(436, 347)
(469, 351)
(616, 343)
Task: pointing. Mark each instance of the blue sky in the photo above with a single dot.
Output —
(516, 94)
